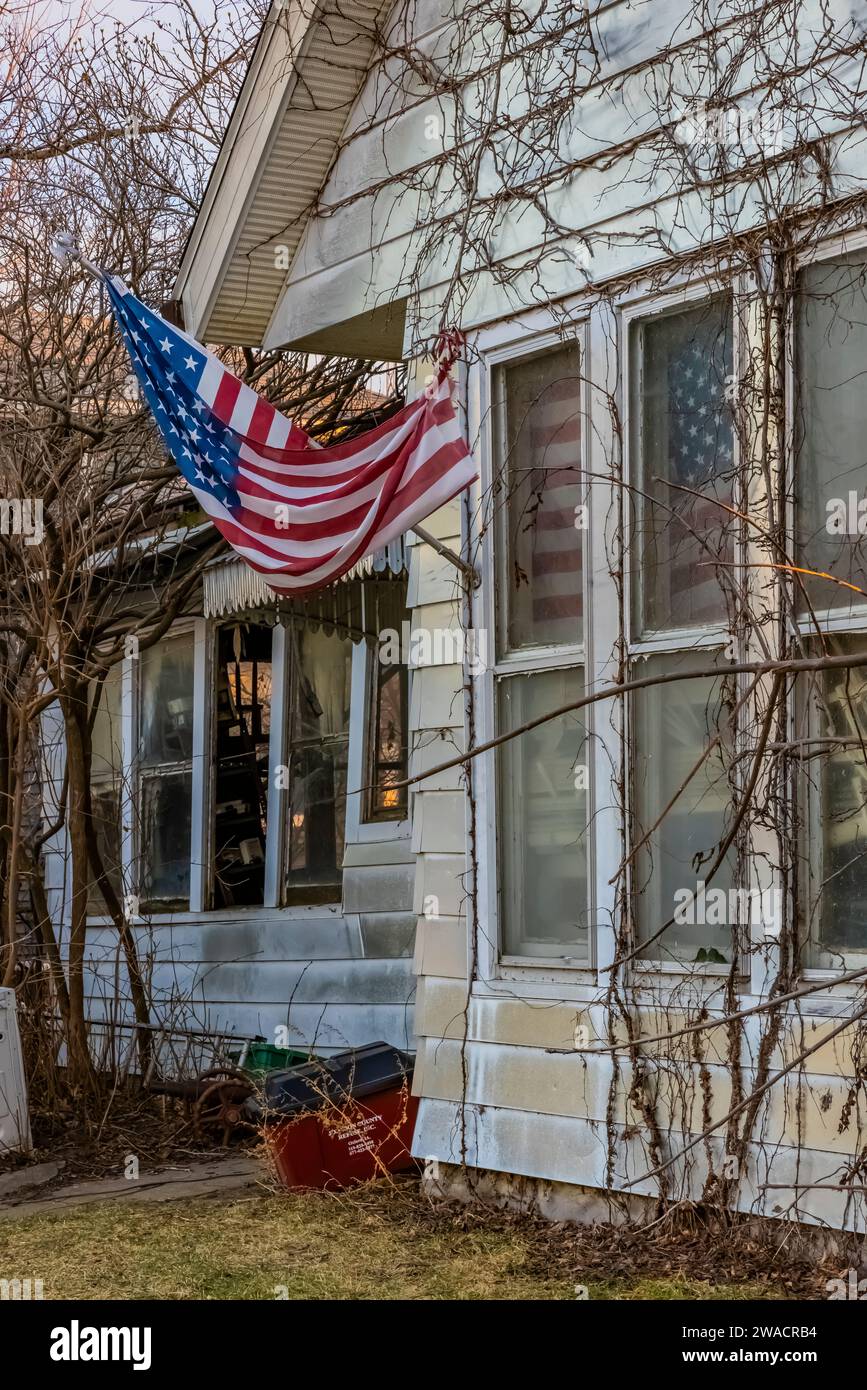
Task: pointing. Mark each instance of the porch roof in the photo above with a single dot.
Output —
(305, 75)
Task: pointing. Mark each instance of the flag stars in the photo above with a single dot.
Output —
(165, 345)
(190, 363)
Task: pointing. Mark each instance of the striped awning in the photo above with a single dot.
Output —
(230, 587)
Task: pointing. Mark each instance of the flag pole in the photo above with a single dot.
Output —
(64, 249)
(467, 570)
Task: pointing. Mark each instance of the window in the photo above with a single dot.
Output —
(682, 466)
(541, 587)
(165, 772)
(387, 752)
(831, 466)
(830, 484)
(234, 779)
(543, 799)
(319, 683)
(833, 722)
(388, 763)
(242, 726)
(105, 781)
(683, 444)
(682, 797)
(542, 775)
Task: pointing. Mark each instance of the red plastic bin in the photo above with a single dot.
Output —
(336, 1147)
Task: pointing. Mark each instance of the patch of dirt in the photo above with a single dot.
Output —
(98, 1145)
(691, 1243)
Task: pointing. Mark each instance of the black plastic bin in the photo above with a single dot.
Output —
(359, 1072)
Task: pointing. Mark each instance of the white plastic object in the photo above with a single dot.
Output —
(14, 1117)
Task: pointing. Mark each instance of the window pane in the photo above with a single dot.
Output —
(543, 819)
(164, 777)
(166, 805)
(320, 667)
(105, 771)
(167, 702)
(831, 465)
(541, 581)
(673, 724)
(105, 801)
(835, 836)
(243, 725)
(682, 438)
(106, 732)
(388, 735)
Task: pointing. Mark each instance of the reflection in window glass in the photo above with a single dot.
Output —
(388, 742)
(242, 730)
(165, 771)
(105, 780)
(166, 824)
(105, 804)
(319, 677)
(105, 738)
(166, 721)
(543, 819)
(541, 580)
(673, 724)
(683, 445)
(835, 834)
(831, 464)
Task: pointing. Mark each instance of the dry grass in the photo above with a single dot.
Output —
(378, 1242)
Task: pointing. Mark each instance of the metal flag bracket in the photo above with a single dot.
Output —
(470, 573)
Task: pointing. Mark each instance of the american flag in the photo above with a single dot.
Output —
(299, 514)
(692, 447)
(554, 437)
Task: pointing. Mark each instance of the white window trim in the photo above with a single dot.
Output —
(832, 621)
(131, 856)
(358, 830)
(497, 973)
(711, 637)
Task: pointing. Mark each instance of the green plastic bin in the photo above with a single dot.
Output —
(257, 1058)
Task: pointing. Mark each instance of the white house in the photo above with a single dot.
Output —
(648, 221)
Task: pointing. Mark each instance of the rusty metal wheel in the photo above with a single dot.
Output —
(219, 1104)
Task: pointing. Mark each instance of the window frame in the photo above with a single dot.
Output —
(804, 802)
(496, 969)
(715, 638)
(371, 733)
(117, 779)
(134, 771)
(356, 830)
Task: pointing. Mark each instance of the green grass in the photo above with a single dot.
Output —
(370, 1244)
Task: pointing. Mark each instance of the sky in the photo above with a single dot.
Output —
(127, 11)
